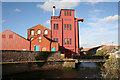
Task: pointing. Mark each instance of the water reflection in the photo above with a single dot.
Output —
(83, 70)
(87, 64)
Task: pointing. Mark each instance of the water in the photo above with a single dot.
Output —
(83, 70)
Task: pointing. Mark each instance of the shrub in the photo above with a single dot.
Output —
(102, 52)
(111, 69)
(67, 68)
(43, 55)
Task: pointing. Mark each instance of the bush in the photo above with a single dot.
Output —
(111, 69)
(67, 68)
(102, 52)
(43, 55)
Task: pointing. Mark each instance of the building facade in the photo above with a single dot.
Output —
(65, 31)
(13, 41)
(40, 39)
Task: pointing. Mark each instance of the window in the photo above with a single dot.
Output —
(32, 32)
(40, 37)
(10, 36)
(57, 26)
(65, 13)
(46, 32)
(70, 13)
(65, 41)
(39, 31)
(54, 39)
(3, 36)
(70, 26)
(70, 40)
(65, 26)
(54, 26)
(43, 49)
(31, 38)
(57, 39)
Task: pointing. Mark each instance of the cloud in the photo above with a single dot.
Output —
(102, 29)
(47, 6)
(3, 21)
(17, 10)
(109, 18)
(47, 22)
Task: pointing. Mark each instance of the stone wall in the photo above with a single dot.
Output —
(15, 56)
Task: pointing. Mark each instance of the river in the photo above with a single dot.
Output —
(83, 70)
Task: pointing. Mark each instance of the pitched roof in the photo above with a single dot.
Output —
(38, 26)
(14, 33)
(44, 37)
(87, 49)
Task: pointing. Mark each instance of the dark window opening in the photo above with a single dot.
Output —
(11, 36)
(3, 36)
(57, 26)
(54, 26)
(70, 40)
(67, 41)
(70, 26)
(57, 39)
(67, 26)
(65, 13)
(70, 13)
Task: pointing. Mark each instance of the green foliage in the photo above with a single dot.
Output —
(43, 55)
(67, 68)
(80, 49)
(111, 69)
(102, 52)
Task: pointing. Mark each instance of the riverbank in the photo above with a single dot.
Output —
(85, 70)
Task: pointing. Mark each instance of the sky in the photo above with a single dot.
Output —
(100, 26)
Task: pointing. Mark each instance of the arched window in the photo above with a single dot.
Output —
(46, 32)
(38, 31)
(43, 49)
(31, 38)
(32, 32)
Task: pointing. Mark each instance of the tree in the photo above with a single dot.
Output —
(102, 52)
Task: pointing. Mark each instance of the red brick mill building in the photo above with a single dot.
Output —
(63, 36)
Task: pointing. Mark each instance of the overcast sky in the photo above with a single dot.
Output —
(100, 24)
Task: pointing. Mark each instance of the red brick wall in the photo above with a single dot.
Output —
(56, 45)
(44, 43)
(12, 41)
(42, 28)
(61, 33)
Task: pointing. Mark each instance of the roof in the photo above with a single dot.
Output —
(61, 10)
(109, 47)
(87, 49)
(39, 26)
(44, 37)
(14, 33)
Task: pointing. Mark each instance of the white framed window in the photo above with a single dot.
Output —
(31, 38)
(46, 32)
(32, 32)
(40, 37)
(38, 31)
